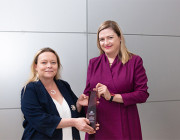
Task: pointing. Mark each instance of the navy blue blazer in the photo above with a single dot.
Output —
(40, 113)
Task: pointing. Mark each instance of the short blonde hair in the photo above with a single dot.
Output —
(33, 74)
(124, 55)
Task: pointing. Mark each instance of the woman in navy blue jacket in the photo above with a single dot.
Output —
(50, 107)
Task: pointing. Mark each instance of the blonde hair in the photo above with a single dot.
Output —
(124, 55)
(33, 74)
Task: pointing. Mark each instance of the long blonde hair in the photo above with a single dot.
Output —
(33, 74)
(124, 55)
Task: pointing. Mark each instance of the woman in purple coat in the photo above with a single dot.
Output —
(121, 82)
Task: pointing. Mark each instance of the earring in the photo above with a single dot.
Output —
(37, 76)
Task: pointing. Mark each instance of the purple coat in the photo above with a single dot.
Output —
(118, 121)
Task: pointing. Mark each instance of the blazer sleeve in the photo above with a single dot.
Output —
(35, 114)
(140, 94)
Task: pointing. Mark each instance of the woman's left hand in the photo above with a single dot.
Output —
(103, 91)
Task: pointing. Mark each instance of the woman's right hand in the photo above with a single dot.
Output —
(82, 124)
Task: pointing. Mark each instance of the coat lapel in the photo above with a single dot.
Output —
(108, 73)
(45, 99)
(65, 93)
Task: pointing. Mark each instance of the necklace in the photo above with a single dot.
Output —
(110, 64)
(53, 91)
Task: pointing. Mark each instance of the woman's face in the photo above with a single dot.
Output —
(109, 41)
(47, 65)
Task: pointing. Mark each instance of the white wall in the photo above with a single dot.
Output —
(151, 29)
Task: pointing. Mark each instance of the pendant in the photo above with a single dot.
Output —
(53, 91)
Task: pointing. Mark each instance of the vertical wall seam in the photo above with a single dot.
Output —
(87, 33)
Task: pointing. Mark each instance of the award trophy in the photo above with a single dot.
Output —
(91, 111)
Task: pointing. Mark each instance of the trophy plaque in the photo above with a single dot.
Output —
(91, 111)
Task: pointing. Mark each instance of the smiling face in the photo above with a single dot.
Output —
(109, 41)
(47, 65)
